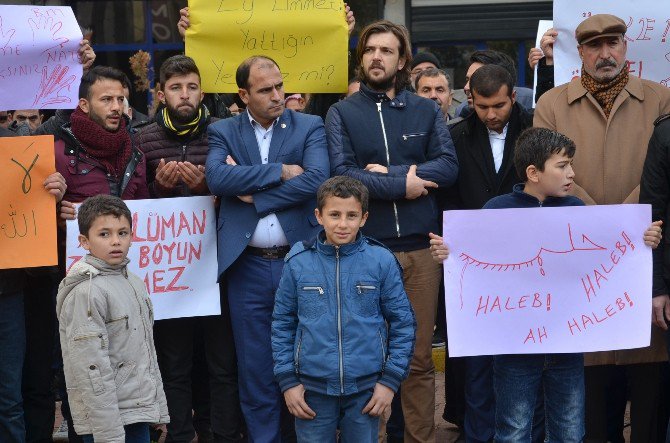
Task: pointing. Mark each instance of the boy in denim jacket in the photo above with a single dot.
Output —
(342, 327)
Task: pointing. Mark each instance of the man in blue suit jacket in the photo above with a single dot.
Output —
(266, 165)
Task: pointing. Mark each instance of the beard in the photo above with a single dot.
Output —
(182, 114)
(381, 84)
(100, 120)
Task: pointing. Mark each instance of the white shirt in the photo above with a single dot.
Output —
(269, 232)
(497, 142)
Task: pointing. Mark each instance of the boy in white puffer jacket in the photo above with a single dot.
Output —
(106, 333)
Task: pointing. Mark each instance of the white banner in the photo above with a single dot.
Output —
(550, 280)
(647, 36)
(39, 60)
(173, 252)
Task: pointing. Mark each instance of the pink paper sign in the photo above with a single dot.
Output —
(547, 280)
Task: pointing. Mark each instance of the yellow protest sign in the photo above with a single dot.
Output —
(27, 210)
(307, 38)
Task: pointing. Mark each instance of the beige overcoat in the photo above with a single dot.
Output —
(608, 162)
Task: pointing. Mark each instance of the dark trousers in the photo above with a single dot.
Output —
(174, 346)
(252, 283)
(12, 351)
(40, 318)
(608, 387)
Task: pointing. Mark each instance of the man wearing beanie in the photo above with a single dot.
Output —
(610, 114)
(421, 62)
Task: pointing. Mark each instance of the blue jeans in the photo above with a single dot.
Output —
(12, 352)
(517, 381)
(338, 412)
(135, 433)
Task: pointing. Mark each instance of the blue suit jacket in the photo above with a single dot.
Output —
(297, 139)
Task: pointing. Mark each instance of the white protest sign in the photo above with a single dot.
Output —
(542, 27)
(173, 252)
(549, 280)
(647, 36)
(39, 62)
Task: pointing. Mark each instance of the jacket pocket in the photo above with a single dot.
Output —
(413, 135)
(117, 325)
(123, 371)
(312, 302)
(95, 378)
(366, 299)
(104, 343)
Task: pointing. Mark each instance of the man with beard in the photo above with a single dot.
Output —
(609, 115)
(176, 147)
(398, 145)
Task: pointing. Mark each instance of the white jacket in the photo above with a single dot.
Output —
(106, 333)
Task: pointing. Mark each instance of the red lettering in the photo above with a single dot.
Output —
(588, 289)
(167, 224)
(171, 287)
(530, 336)
(575, 325)
(628, 240)
(75, 259)
(154, 237)
(597, 319)
(620, 304)
(522, 301)
(599, 277)
(507, 305)
(485, 307)
(169, 248)
(621, 248)
(542, 334)
(628, 299)
(199, 225)
(536, 299)
(144, 256)
(615, 258)
(548, 302)
(609, 311)
(157, 256)
(496, 302)
(193, 252)
(586, 320)
(136, 238)
(156, 279)
(183, 224)
(607, 271)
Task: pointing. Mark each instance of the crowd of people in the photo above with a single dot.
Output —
(329, 212)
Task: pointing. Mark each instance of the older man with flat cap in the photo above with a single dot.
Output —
(610, 115)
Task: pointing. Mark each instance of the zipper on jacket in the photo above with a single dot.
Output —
(297, 355)
(339, 317)
(114, 320)
(362, 288)
(417, 134)
(314, 288)
(381, 341)
(86, 337)
(388, 164)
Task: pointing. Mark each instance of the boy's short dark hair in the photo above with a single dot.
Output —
(99, 73)
(177, 65)
(534, 147)
(487, 81)
(342, 187)
(98, 206)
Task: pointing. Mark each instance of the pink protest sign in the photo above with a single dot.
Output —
(39, 62)
(549, 280)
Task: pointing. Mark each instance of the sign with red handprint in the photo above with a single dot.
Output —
(39, 61)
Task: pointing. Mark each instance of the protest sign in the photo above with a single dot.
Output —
(647, 37)
(27, 210)
(542, 27)
(550, 280)
(307, 39)
(173, 251)
(39, 62)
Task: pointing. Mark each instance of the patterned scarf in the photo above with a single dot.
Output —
(605, 93)
(183, 130)
(111, 149)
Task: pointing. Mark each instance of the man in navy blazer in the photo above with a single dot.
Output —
(266, 165)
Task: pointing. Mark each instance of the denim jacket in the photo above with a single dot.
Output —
(342, 321)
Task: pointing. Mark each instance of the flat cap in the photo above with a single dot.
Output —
(599, 25)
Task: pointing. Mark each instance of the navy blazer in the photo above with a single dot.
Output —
(297, 139)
